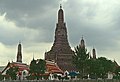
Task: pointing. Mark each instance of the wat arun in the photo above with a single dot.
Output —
(61, 51)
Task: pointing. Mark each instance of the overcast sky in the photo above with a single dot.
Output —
(33, 23)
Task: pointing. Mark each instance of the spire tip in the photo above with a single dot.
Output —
(60, 6)
(19, 42)
(82, 37)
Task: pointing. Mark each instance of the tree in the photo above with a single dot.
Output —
(37, 68)
(80, 59)
(97, 67)
(107, 65)
(12, 72)
(92, 67)
(41, 68)
(33, 66)
(100, 67)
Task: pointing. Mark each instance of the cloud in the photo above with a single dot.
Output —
(10, 33)
(32, 14)
(36, 49)
(33, 22)
(97, 21)
(7, 54)
(28, 11)
(95, 18)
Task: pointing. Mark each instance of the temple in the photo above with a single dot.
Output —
(61, 52)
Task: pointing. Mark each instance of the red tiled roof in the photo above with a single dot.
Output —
(53, 67)
(21, 66)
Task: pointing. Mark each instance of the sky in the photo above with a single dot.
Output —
(33, 22)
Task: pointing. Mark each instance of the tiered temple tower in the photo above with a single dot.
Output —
(61, 52)
(19, 53)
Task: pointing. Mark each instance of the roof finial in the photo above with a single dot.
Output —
(33, 56)
(60, 6)
(82, 36)
(19, 42)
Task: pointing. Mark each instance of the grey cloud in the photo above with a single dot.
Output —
(27, 11)
(33, 14)
(101, 34)
(95, 20)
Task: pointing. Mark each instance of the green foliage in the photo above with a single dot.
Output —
(37, 68)
(100, 67)
(12, 72)
(97, 67)
(107, 65)
(33, 66)
(41, 66)
(80, 59)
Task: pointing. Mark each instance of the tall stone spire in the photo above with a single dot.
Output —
(61, 44)
(82, 43)
(61, 52)
(60, 15)
(19, 53)
(94, 53)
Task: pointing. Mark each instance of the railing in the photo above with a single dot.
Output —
(81, 80)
